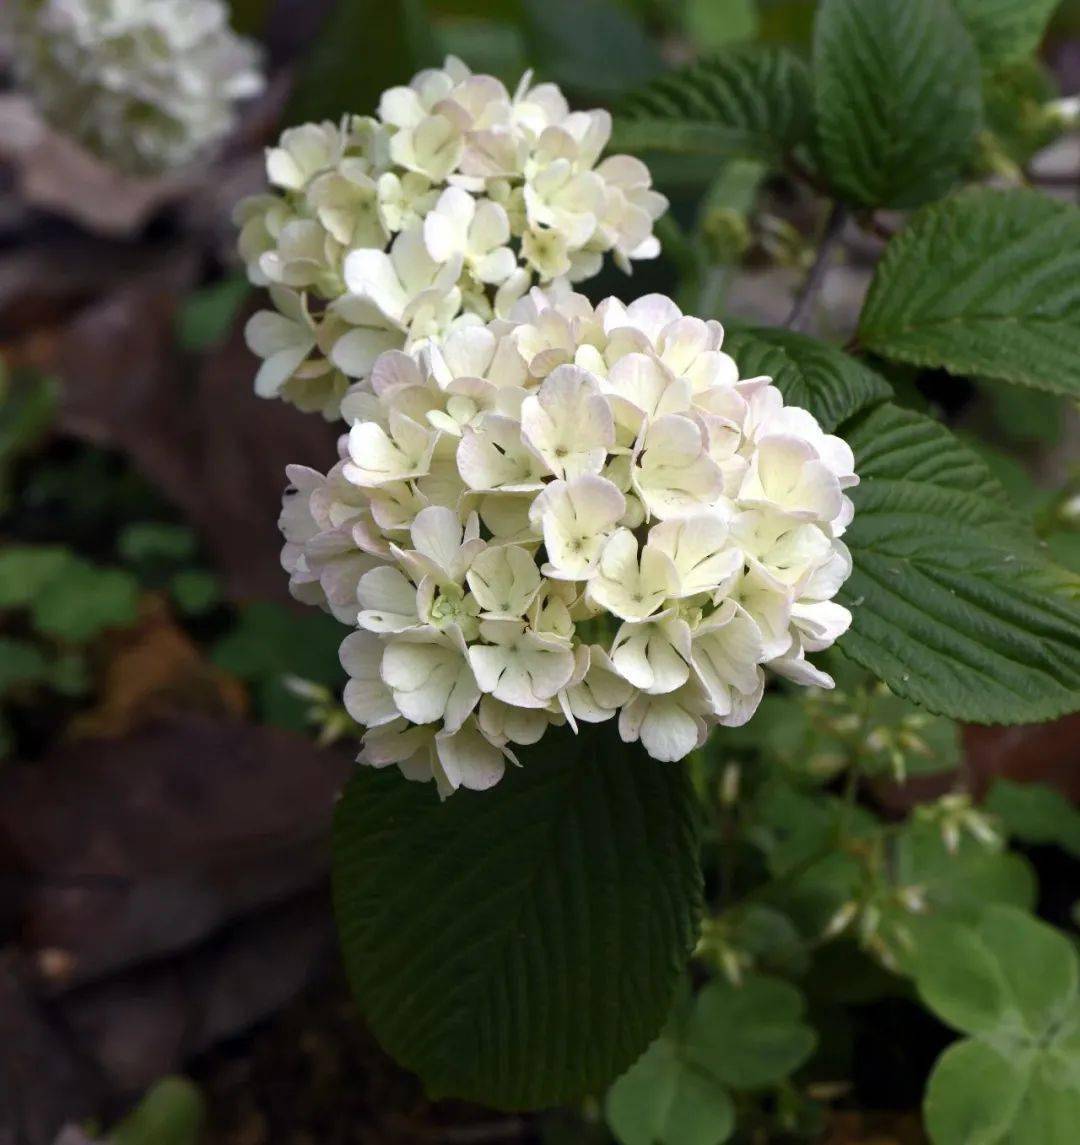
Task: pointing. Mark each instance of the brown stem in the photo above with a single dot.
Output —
(801, 311)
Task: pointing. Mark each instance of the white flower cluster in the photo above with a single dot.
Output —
(145, 84)
(385, 233)
(569, 515)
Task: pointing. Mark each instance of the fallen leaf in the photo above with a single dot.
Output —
(155, 669)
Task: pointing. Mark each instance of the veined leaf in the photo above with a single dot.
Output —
(954, 605)
(897, 94)
(1005, 31)
(520, 946)
(986, 283)
(832, 385)
(1011, 983)
(750, 102)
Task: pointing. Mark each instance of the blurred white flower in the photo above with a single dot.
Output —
(147, 85)
(529, 528)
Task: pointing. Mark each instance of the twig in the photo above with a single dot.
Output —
(800, 312)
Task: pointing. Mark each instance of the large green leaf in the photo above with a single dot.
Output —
(821, 378)
(954, 606)
(897, 92)
(749, 101)
(1011, 983)
(520, 946)
(985, 283)
(1005, 31)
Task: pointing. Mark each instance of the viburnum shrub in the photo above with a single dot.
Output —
(592, 558)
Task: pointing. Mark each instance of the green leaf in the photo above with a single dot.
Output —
(744, 1037)
(751, 1035)
(171, 1113)
(1012, 982)
(750, 102)
(21, 663)
(1005, 31)
(207, 315)
(897, 94)
(364, 47)
(271, 642)
(832, 385)
(954, 606)
(1014, 101)
(195, 591)
(713, 24)
(961, 883)
(84, 602)
(592, 47)
(986, 283)
(27, 405)
(520, 946)
(1035, 813)
(667, 1100)
(973, 1096)
(25, 570)
(151, 542)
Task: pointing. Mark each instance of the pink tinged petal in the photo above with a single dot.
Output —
(644, 385)
(367, 699)
(395, 370)
(674, 475)
(568, 424)
(576, 518)
(491, 455)
(651, 314)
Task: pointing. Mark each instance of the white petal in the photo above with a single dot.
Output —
(469, 760)
(367, 699)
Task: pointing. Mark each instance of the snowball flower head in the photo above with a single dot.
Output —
(566, 516)
(145, 84)
(439, 212)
